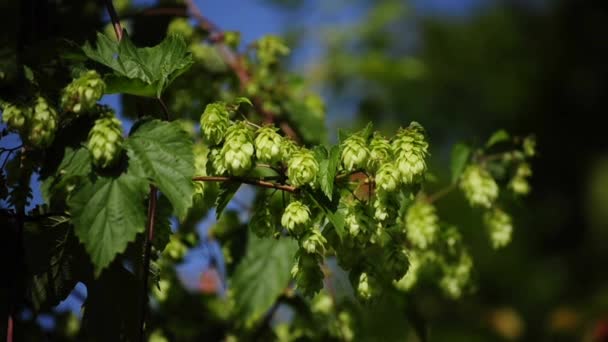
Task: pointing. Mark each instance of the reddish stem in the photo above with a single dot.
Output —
(245, 180)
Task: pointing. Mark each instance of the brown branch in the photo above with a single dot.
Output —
(245, 180)
(146, 264)
(114, 18)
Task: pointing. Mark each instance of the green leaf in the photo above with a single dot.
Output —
(227, 191)
(162, 152)
(498, 137)
(140, 71)
(76, 163)
(328, 168)
(107, 214)
(310, 125)
(330, 209)
(262, 276)
(460, 157)
(162, 226)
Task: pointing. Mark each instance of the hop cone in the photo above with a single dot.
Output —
(380, 151)
(307, 273)
(410, 148)
(354, 152)
(105, 140)
(366, 288)
(314, 242)
(181, 26)
(529, 146)
(268, 145)
(416, 261)
(270, 48)
(387, 177)
(200, 165)
(456, 276)
(519, 183)
(43, 124)
(355, 219)
(381, 212)
(82, 94)
(216, 162)
(478, 186)
(295, 217)
(214, 122)
(302, 168)
(238, 150)
(396, 263)
(16, 117)
(421, 224)
(499, 226)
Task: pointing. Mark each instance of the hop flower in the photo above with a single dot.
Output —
(529, 146)
(302, 168)
(215, 164)
(354, 152)
(314, 241)
(270, 48)
(380, 151)
(43, 124)
(322, 304)
(410, 149)
(456, 277)
(200, 165)
(387, 177)
(421, 224)
(367, 286)
(238, 150)
(105, 139)
(381, 212)
(16, 117)
(355, 219)
(182, 27)
(307, 273)
(416, 261)
(268, 145)
(176, 250)
(214, 122)
(295, 217)
(519, 183)
(82, 94)
(288, 148)
(478, 186)
(396, 263)
(499, 226)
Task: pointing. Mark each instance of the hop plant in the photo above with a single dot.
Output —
(175, 250)
(354, 152)
(215, 164)
(238, 150)
(261, 220)
(270, 49)
(367, 287)
(529, 146)
(200, 165)
(295, 217)
(381, 212)
(499, 227)
(181, 26)
(411, 149)
(416, 261)
(519, 183)
(478, 186)
(314, 241)
(307, 273)
(396, 263)
(354, 219)
(387, 177)
(268, 145)
(214, 122)
(380, 152)
(105, 140)
(421, 224)
(43, 124)
(83, 93)
(16, 117)
(456, 276)
(322, 303)
(302, 168)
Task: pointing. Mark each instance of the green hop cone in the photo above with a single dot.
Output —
(421, 223)
(396, 263)
(307, 273)
(478, 186)
(366, 288)
(16, 117)
(380, 152)
(238, 149)
(313, 241)
(302, 168)
(411, 149)
(175, 250)
(181, 26)
(519, 183)
(214, 122)
(295, 217)
(215, 164)
(270, 49)
(355, 219)
(105, 140)
(83, 93)
(387, 177)
(288, 148)
(529, 146)
(43, 124)
(322, 303)
(268, 145)
(408, 281)
(456, 276)
(354, 152)
(381, 212)
(200, 166)
(499, 227)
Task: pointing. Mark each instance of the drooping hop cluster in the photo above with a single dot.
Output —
(295, 217)
(355, 219)
(499, 227)
(105, 140)
(302, 168)
(354, 152)
(314, 241)
(307, 273)
(421, 224)
(83, 93)
(478, 186)
(456, 276)
(43, 124)
(519, 183)
(268, 145)
(214, 123)
(380, 151)
(387, 177)
(237, 151)
(410, 149)
(216, 162)
(16, 117)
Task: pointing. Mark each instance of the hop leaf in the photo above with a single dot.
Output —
(302, 168)
(354, 152)
(16, 117)
(388, 177)
(238, 150)
(421, 224)
(380, 151)
(105, 140)
(82, 94)
(43, 124)
(268, 145)
(307, 273)
(499, 227)
(411, 149)
(214, 122)
(295, 217)
(261, 221)
(478, 186)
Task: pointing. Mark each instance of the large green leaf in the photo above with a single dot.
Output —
(227, 191)
(327, 171)
(76, 163)
(262, 276)
(330, 209)
(107, 213)
(460, 157)
(162, 152)
(140, 71)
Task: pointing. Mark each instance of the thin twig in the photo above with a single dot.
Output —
(245, 180)
(164, 107)
(115, 20)
(439, 194)
(147, 252)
